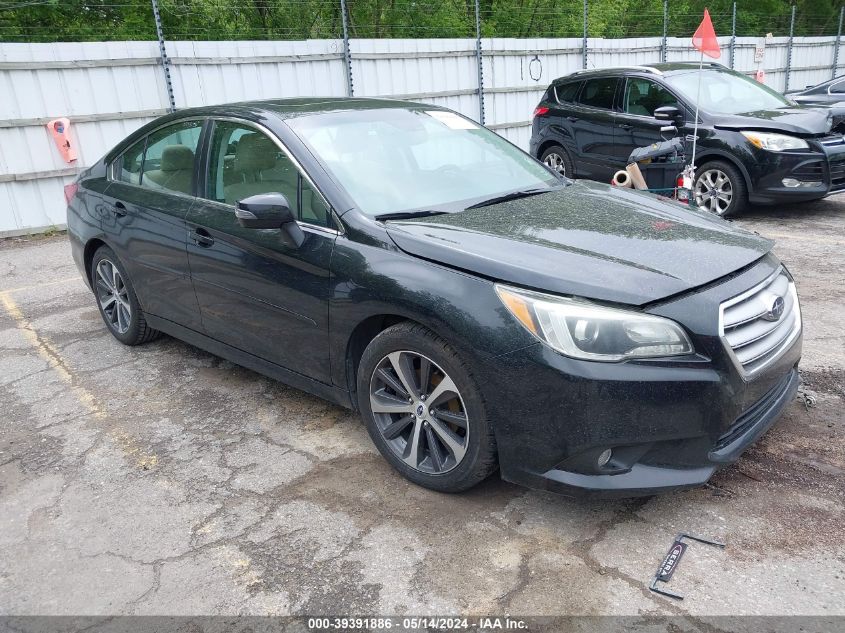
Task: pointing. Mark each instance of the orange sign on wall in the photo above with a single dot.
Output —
(60, 129)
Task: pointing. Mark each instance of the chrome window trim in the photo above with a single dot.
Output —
(266, 131)
(787, 343)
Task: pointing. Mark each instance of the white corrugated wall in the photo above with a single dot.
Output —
(109, 89)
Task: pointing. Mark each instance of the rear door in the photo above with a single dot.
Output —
(257, 291)
(635, 123)
(150, 195)
(591, 120)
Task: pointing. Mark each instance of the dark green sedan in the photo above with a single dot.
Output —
(478, 309)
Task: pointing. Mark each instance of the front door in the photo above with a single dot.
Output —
(257, 291)
(635, 124)
(148, 200)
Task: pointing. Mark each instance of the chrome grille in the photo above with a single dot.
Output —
(747, 326)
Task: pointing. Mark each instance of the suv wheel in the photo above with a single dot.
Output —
(117, 301)
(558, 159)
(720, 188)
(423, 410)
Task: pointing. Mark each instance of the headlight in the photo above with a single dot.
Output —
(775, 142)
(584, 330)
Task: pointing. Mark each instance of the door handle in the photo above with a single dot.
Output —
(626, 127)
(572, 118)
(200, 237)
(119, 209)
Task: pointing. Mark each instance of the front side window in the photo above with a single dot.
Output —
(643, 97)
(245, 162)
(169, 159)
(838, 88)
(393, 160)
(599, 93)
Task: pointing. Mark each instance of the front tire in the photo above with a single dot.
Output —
(117, 301)
(423, 410)
(720, 188)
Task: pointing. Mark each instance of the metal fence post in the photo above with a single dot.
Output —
(479, 62)
(347, 56)
(663, 51)
(165, 62)
(584, 43)
(733, 35)
(838, 40)
(789, 48)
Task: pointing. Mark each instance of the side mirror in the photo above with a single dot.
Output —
(668, 113)
(269, 211)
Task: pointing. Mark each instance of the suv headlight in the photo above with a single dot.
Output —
(774, 142)
(588, 331)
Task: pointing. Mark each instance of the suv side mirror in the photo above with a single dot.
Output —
(668, 113)
(269, 211)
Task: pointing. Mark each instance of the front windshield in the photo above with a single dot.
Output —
(725, 92)
(392, 160)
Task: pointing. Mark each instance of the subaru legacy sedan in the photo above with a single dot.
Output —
(478, 310)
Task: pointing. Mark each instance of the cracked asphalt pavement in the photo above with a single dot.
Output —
(163, 480)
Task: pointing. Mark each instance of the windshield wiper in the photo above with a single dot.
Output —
(513, 195)
(404, 215)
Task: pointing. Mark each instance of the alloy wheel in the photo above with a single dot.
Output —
(713, 191)
(555, 161)
(113, 296)
(419, 412)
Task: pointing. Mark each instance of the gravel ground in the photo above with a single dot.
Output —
(163, 480)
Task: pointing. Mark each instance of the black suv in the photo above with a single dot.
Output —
(754, 144)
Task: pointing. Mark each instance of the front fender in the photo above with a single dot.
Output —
(377, 280)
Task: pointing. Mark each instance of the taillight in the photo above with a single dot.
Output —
(70, 191)
(540, 110)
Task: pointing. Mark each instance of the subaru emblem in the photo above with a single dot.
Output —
(776, 307)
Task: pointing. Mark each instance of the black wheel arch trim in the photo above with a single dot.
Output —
(715, 154)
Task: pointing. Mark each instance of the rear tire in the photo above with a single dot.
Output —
(557, 158)
(117, 301)
(720, 188)
(430, 422)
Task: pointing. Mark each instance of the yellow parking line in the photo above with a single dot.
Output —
(805, 237)
(48, 352)
(36, 286)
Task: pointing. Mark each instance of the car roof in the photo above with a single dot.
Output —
(664, 68)
(299, 106)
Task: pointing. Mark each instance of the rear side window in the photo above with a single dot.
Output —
(566, 93)
(127, 167)
(599, 93)
(170, 155)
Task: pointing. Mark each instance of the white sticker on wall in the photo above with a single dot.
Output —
(452, 120)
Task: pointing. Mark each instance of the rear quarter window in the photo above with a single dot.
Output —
(567, 93)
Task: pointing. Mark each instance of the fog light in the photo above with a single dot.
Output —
(792, 183)
(604, 457)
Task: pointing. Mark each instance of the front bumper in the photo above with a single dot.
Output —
(669, 424)
(824, 164)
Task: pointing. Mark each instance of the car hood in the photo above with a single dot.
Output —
(587, 239)
(804, 121)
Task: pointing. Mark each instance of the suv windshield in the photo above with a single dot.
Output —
(726, 92)
(391, 160)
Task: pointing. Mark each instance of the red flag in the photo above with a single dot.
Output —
(705, 38)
